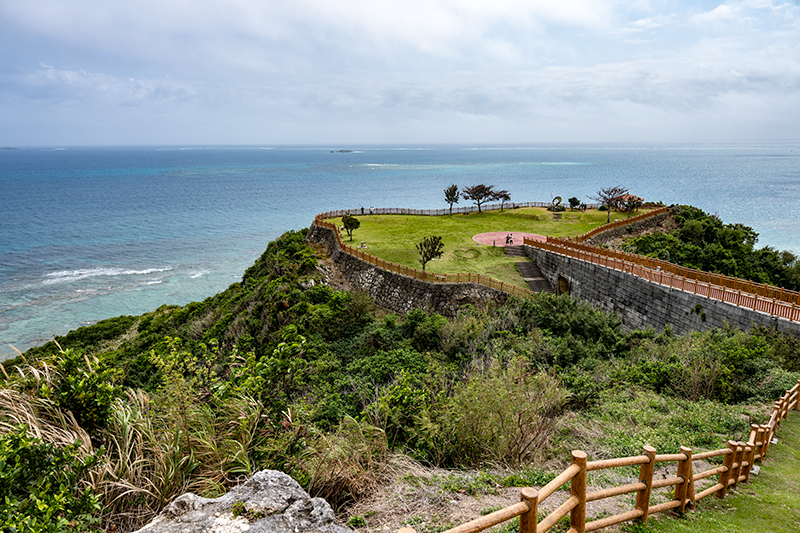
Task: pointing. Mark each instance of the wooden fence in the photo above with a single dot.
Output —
(617, 223)
(775, 301)
(738, 460)
(365, 211)
(416, 273)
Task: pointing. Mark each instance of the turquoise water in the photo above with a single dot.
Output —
(90, 233)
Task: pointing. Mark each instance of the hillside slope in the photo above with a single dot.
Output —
(284, 371)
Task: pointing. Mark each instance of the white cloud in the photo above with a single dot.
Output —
(382, 68)
(48, 84)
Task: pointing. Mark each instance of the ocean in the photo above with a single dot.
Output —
(92, 233)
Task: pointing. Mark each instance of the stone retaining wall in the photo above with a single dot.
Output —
(637, 301)
(641, 303)
(402, 293)
(627, 229)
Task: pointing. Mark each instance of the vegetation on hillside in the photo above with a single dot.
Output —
(704, 242)
(282, 371)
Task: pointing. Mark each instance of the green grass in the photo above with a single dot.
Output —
(394, 237)
(770, 503)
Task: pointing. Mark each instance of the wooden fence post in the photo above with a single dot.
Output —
(684, 491)
(646, 477)
(728, 464)
(761, 437)
(767, 440)
(577, 487)
(797, 402)
(737, 461)
(749, 457)
(528, 521)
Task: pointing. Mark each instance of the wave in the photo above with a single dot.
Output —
(67, 276)
(199, 274)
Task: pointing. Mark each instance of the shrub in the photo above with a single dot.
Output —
(506, 415)
(43, 486)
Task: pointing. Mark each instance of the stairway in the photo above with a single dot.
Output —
(529, 270)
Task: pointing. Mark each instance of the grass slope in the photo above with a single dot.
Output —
(394, 237)
(770, 503)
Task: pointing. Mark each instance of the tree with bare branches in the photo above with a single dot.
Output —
(480, 194)
(612, 198)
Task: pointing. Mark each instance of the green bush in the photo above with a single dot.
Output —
(505, 415)
(44, 486)
(85, 387)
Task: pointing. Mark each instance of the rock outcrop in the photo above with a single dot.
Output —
(270, 501)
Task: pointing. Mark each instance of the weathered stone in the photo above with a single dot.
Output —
(626, 229)
(398, 292)
(269, 502)
(640, 303)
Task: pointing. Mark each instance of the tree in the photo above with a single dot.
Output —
(574, 202)
(451, 196)
(503, 196)
(481, 194)
(632, 203)
(611, 197)
(429, 248)
(350, 224)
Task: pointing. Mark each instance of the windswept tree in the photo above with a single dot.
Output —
(480, 194)
(612, 198)
(504, 197)
(631, 204)
(350, 224)
(451, 196)
(430, 248)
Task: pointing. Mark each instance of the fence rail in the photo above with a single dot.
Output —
(775, 301)
(738, 460)
(431, 277)
(365, 211)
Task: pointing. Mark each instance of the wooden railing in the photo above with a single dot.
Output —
(738, 460)
(364, 211)
(416, 273)
(617, 223)
(775, 301)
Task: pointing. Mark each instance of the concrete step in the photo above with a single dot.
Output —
(515, 251)
(533, 277)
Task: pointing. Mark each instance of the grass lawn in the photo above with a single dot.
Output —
(770, 503)
(394, 237)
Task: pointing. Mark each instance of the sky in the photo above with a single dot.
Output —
(233, 72)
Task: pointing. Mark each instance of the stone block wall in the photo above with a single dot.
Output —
(402, 293)
(627, 229)
(641, 303)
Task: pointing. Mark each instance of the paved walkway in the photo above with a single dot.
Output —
(498, 238)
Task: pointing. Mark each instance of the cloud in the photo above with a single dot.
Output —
(50, 85)
(229, 69)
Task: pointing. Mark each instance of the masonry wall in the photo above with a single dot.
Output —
(402, 293)
(641, 303)
(627, 229)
